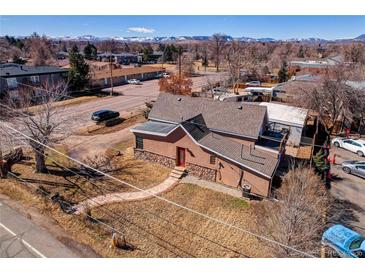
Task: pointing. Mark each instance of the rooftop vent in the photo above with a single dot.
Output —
(179, 99)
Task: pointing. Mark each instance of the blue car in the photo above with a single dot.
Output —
(346, 242)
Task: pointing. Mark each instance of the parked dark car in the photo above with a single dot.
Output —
(103, 115)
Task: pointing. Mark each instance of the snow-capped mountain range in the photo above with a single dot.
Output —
(162, 39)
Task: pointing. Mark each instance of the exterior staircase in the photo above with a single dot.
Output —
(178, 172)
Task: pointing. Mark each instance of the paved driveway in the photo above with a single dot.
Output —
(349, 190)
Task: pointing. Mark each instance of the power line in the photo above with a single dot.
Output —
(151, 213)
(115, 214)
(167, 200)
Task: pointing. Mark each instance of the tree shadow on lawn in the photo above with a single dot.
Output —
(49, 183)
(344, 212)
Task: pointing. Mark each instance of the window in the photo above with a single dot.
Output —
(139, 142)
(361, 167)
(12, 83)
(356, 243)
(212, 159)
(356, 144)
(34, 78)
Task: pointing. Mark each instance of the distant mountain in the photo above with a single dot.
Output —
(361, 37)
(171, 39)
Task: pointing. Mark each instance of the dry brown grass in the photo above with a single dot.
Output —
(66, 178)
(100, 129)
(153, 227)
(158, 229)
(68, 102)
(94, 235)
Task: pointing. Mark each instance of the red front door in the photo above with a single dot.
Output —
(180, 156)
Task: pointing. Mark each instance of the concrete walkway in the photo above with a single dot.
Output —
(212, 186)
(125, 196)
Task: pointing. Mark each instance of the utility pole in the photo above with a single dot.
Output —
(180, 53)
(111, 74)
(313, 142)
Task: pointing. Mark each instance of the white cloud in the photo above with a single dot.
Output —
(141, 30)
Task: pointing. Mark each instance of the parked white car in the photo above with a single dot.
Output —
(134, 82)
(356, 146)
(254, 83)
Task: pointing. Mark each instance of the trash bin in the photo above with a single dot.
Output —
(246, 191)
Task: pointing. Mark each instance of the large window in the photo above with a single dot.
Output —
(139, 142)
(34, 79)
(12, 83)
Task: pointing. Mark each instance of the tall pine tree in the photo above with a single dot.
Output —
(78, 76)
(283, 72)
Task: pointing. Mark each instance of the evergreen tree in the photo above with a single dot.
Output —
(79, 70)
(90, 52)
(320, 163)
(300, 52)
(205, 61)
(283, 72)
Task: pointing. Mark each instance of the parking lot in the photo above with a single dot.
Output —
(349, 190)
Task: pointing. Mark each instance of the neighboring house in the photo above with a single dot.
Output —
(121, 58)
(122, 75)
(315, 66)
(298, 122)
(12, 76)
(213, 140)
(289, 117)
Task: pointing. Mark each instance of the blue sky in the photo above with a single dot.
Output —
(279, 27)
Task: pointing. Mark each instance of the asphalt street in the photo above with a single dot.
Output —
(20, 237)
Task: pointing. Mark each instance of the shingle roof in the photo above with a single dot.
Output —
(219, 116)
(13, 70)
(249, 157)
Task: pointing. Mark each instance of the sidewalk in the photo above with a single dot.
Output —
(125, 196)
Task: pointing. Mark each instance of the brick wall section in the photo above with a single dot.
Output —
(195, 170)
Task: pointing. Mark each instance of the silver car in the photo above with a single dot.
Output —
(354, 167)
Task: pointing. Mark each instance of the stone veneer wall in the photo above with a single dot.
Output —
(153, 157)
(201, 172)
(195, 170)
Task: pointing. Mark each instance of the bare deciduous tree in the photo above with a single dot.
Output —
(40, 50)
(217, 45)
(45, 125)
(234, 58)
(332, 98)
(297, 219)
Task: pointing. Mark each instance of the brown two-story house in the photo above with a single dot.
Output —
(216, 141)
